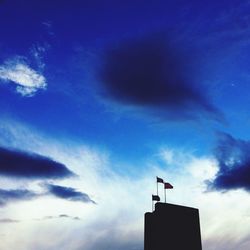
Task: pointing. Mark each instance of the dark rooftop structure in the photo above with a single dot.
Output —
(172, 227)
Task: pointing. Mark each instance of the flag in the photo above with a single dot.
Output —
(159, 179)
(168, 186)
(155, 198)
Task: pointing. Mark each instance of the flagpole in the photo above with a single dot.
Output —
(157, 186)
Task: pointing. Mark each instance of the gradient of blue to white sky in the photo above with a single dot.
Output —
(99, 97)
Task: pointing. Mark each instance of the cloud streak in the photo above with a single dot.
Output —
(151, 72)
(8, 220)
(29, 165)
(27, 80)
(14, 195)
(68, 193)
(60, 216)
(233, 156)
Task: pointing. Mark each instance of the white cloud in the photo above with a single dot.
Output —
(27, 80)
(122, 200)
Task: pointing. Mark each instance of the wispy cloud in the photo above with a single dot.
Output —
(233, 156)
(20, 164)
(48, 25)
(37, 52)
(26, 80)
(68, 193)
(123, 198)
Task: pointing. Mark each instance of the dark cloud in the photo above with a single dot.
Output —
(68, 216)
(233, 156)
(60, 217)
(20, 164)
(68, 193)
(63, 216)
(151, 72)
(13, 195)
(8, 220)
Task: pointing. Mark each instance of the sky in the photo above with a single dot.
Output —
(97, 98)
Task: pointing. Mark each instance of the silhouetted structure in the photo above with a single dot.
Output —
(172, 227)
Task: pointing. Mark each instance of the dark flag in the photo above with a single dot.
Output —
(159, 179)
(168, 186)
(155, 198)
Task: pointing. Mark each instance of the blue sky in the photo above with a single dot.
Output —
(99, 97)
